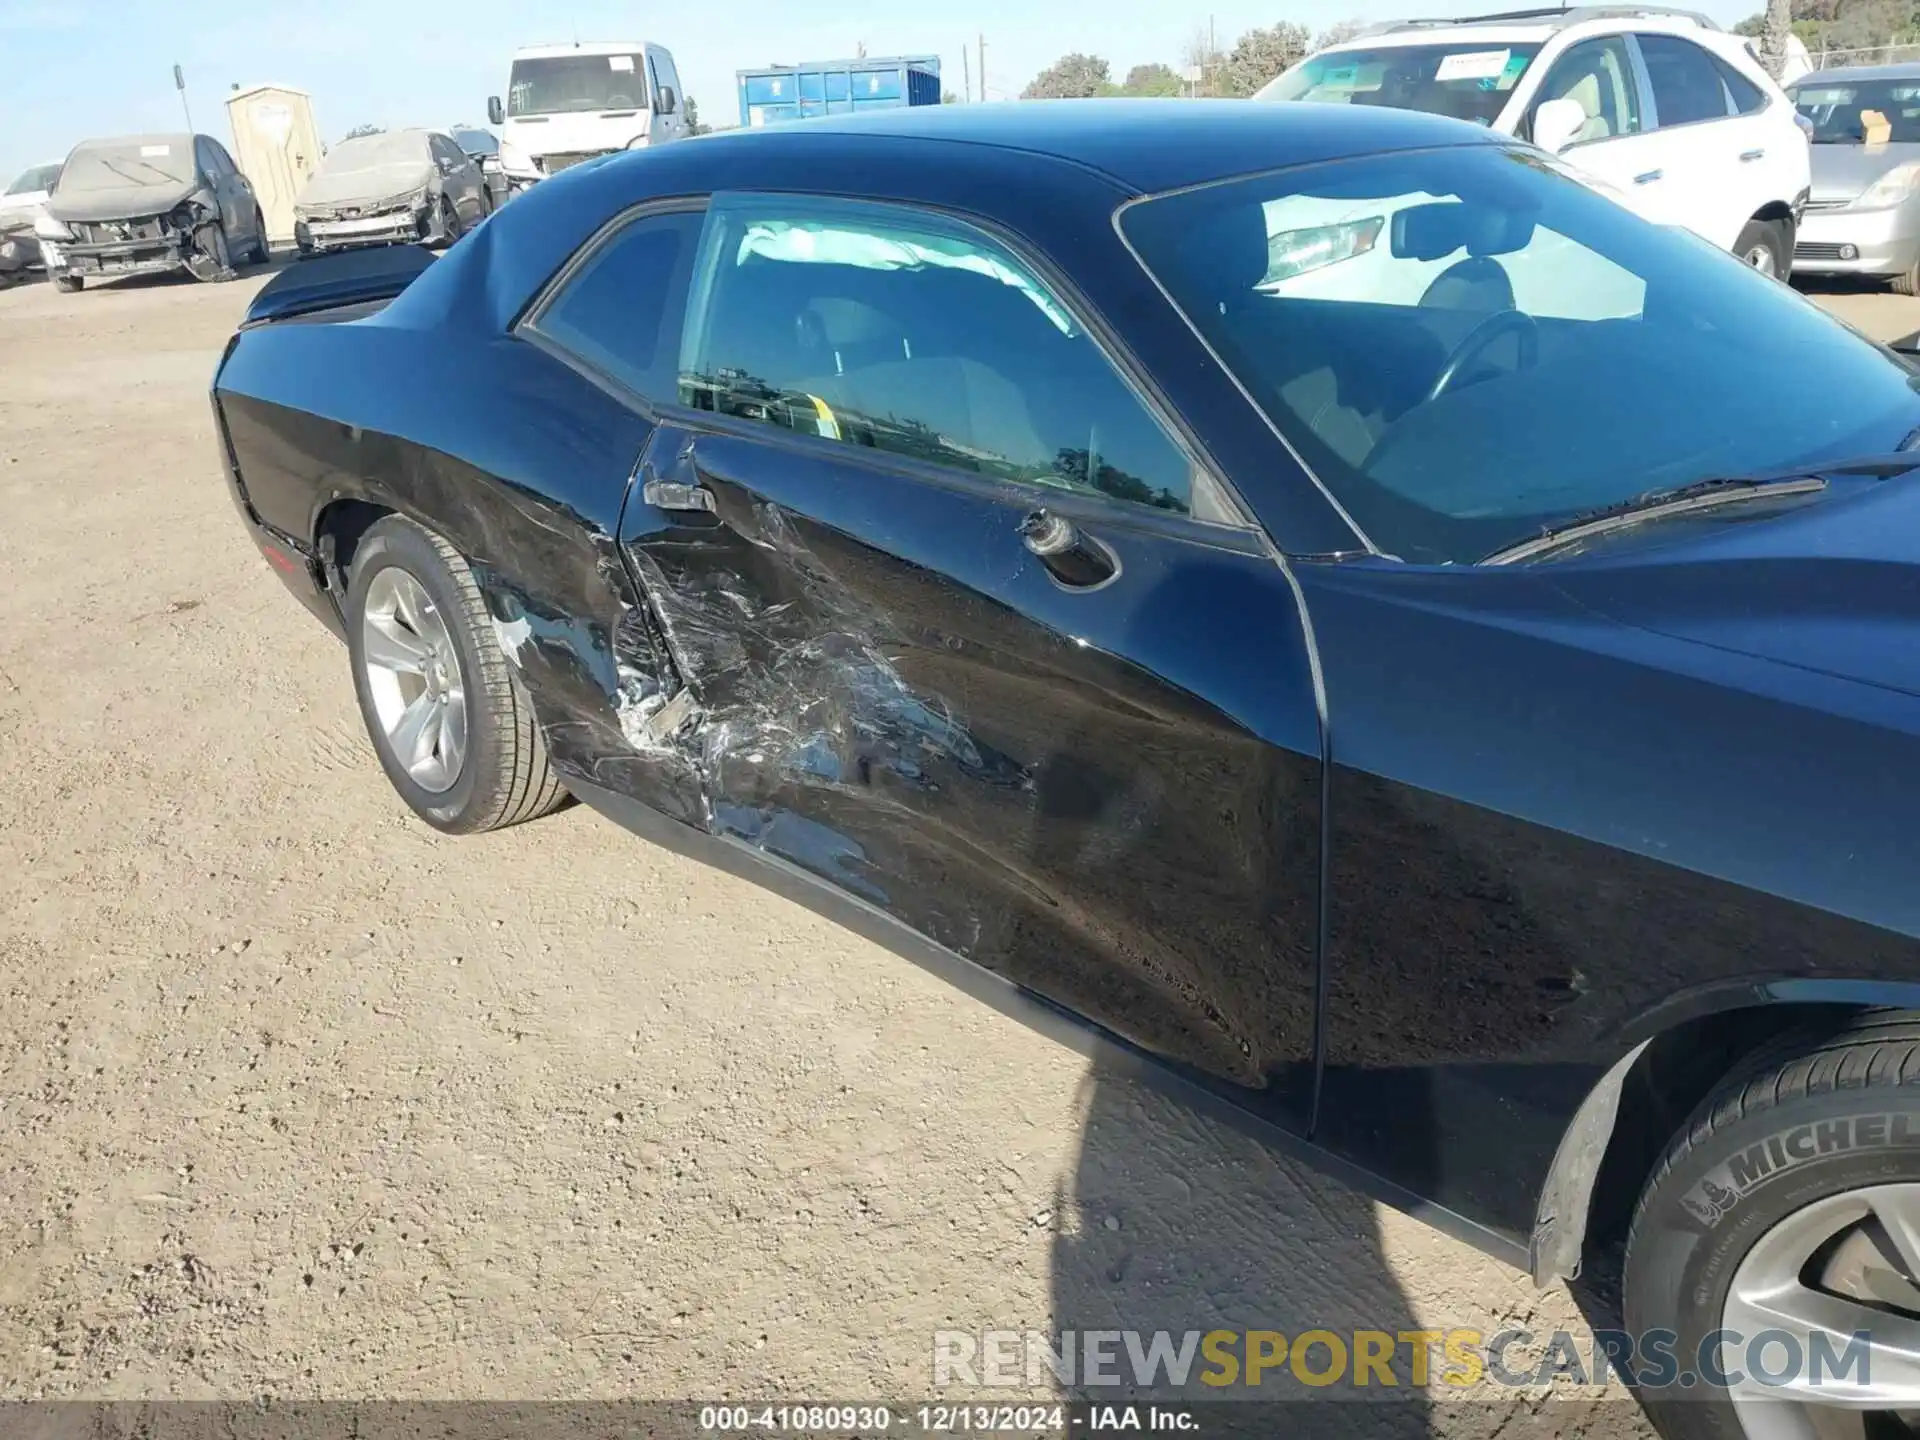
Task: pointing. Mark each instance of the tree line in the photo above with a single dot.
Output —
(1253, 59)
(1846, 24)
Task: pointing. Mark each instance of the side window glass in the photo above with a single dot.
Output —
(1598, 76)
(898, 331)
(620, 312)
(1748, 98)
(653, 86)
(1686, 83)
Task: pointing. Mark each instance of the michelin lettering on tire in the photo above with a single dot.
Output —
(1731, 1181)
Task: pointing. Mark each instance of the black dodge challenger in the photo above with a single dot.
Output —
(1318, 603)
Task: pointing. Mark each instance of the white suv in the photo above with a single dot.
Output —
(1675, 115)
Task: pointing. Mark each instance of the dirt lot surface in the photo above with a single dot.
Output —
(302, 1099)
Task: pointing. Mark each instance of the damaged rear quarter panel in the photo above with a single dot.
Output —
(412, 420)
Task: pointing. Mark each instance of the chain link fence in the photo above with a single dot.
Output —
(1864, 55)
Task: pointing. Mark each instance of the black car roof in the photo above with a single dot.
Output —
(1148, 145)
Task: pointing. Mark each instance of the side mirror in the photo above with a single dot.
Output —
(496, 112)
(669, 102)
(1555, 124)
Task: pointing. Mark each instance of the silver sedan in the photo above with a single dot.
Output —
(1863, 215)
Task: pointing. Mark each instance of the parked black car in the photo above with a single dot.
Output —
(1316, 601)
(140, 204)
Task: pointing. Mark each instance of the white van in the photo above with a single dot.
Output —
(1671, 112)
(568, 103)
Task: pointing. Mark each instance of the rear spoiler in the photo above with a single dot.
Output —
(351, 277)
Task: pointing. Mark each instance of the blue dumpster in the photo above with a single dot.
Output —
(836, 87)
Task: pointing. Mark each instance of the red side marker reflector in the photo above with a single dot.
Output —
(280, 560)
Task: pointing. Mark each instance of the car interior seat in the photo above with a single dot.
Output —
(1585, 92)
(1232, 249)
(1478, 282)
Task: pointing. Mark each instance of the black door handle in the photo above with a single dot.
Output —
(666, 495)
(1075, 560)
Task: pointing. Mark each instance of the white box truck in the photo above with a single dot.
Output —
(568, 103)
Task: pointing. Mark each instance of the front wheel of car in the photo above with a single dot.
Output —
(1778, 1246)
(446, 712)
(1763, 244)
(212, 259)
(260, 251)
(1907, 282)
(68, 284)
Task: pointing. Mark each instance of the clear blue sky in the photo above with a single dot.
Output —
(74, 68)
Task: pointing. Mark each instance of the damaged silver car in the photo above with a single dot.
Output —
(21, 207)
(399, 187)
(142, 204)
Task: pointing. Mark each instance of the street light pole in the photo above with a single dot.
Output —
(180, 84)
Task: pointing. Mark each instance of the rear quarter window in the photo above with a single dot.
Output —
(620, 311)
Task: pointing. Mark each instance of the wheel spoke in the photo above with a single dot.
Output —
(413, 737)
(1897, 1208)
(453, 733)
(1832, 1352)
(388, 645)
(410, 603)
(1824, 1326)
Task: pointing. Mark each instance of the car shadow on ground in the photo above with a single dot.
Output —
(1172, 1221)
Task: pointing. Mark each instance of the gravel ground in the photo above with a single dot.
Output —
(305, 1100)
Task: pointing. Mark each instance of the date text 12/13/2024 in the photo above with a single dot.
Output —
(944, 1419)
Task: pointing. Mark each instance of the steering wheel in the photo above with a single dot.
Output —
(1479, 338)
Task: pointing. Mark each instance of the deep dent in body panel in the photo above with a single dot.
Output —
(826, 710)
(803, 714)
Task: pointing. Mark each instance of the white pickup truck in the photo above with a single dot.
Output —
(568, 103)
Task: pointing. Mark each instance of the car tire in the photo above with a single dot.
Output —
(260, 252)
(69, 284)
(1907, 282)
(449, 222)
(1802, 1131)
(502, 776)
(1764, 245)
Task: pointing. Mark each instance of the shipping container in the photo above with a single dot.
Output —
(836, 87)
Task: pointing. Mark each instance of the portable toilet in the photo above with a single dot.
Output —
(276, 145)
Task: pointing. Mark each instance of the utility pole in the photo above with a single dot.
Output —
(1773, 45)
(983, 65)
(966, 75)
(180, 84)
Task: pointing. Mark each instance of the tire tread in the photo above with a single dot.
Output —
(1881, 1047)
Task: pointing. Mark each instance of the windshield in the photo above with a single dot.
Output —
(1468, 345)
(1840, 111)
(562, 83)
(476, 142)
(1466, 81)
(40, 177)
(369, 152)
(165, 160)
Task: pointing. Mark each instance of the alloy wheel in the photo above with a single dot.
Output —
(414, 679)
(1760, 257)
(1847, 1264)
